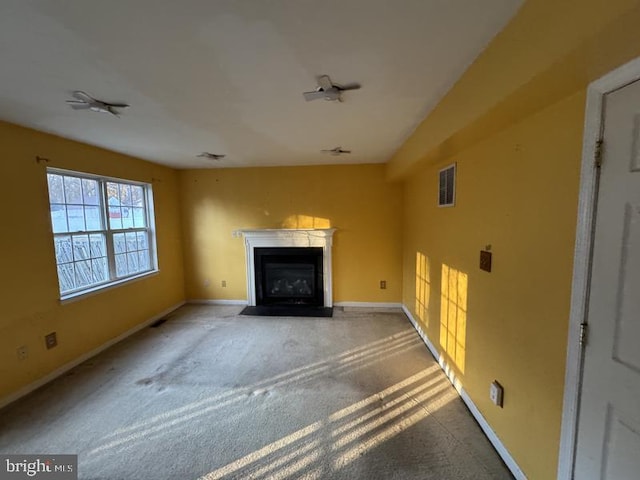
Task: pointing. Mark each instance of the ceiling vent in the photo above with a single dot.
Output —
(447, 186)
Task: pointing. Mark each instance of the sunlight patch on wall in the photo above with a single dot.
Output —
(305, 221)
(423, 287)
(453, 314)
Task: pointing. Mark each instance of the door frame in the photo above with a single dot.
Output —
(593, 126)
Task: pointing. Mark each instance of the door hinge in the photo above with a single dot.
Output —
(598, 153)
(584, 328)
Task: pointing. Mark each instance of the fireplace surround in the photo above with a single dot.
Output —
(309, 249)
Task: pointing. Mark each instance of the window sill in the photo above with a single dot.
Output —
(73, 297)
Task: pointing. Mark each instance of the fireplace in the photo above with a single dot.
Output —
(289, 276)
(289, 271)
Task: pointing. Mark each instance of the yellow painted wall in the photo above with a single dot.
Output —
(355, 199)
(513, 123)
(29, 296)
(516, 191)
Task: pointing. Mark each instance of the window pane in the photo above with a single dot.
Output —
(127, 217)
(132, 262)
(113, 198)
(63, 249)
(81, 249)
(113, 193)
(137, 196)
(72, 190)
(119, 244)
(99, 270)
(125, 194)
(66, 277)
(121, 265)
(93, 218)
(83, 274)
(56, 190)
(142, 241)
(132, 244)
(75, 216)
(59, 218)
(98, 246)
(143, 260)
(90, 192)
(139, 219)
(115, 217)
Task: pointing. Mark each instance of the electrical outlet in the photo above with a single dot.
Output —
(207, 282)
(496, 393)
(224, 283)
(23, 352)
(51, 340)
(383, 284)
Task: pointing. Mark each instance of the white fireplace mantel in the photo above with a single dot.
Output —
(302, 237)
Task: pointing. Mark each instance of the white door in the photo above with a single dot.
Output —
(608, 443)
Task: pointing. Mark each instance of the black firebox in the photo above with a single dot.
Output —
(289, 276)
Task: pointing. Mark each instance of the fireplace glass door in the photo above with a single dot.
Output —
(289, 276)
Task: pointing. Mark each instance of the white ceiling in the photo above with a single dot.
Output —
(227, 76)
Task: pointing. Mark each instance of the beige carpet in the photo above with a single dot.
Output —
(210, 394)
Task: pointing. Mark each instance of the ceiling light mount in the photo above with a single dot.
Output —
(336, 152)
(84, 101)
(328, 90)
(211, 156)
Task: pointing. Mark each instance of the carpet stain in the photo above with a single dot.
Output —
(291, 343)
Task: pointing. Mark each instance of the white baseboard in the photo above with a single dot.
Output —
(74, 363)
(205, 301)
(368, 305)
(486, 428)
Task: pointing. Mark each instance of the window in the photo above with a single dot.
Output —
(102, 230)
(447, 190)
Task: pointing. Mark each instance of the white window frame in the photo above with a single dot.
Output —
(453, 193)
(109, 232)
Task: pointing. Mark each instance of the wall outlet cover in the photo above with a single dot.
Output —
(496, 393)
(51, 340)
